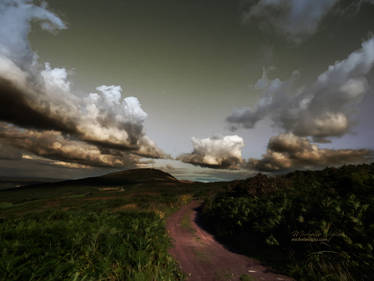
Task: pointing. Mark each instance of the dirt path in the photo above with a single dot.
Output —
(202, 258)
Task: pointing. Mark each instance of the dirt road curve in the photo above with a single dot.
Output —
(202, 258)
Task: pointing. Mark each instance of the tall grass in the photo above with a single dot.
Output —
(77, 245)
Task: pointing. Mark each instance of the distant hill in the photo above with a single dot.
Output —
(138, 176)
(134, 176)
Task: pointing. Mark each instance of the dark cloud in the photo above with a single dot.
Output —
(17, 109)
(288, 152)
(9, 153)
(53, 145)
(44, 168)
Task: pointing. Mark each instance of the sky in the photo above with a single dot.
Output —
(206, 90)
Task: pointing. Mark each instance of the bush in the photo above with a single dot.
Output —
(321, 222)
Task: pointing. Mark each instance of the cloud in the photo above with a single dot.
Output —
(70, 165)
(46, 168)
(40, 97)
(215, 152)
(53, 145)
(296, 19)
(323, 109)
(15, 18)
(288, 152)
(17, 107)
(9, 153)
(108, 117)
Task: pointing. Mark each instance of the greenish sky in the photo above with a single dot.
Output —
(194, 63)
(189, 62)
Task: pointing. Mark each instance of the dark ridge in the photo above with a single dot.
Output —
(140, 176)
(134, 176)
(14, 182)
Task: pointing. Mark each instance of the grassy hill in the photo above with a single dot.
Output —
(147, 189)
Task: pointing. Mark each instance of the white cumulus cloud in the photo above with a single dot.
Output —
(216, 152)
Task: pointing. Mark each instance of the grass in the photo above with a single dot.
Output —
(73, 196)
(223, 275)
(86, 232)
(186, 222)
(201, 256)
(82, 232)
(246, 277)
(78, 245)
(5, 205)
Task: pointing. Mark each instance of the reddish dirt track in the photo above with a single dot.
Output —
(202, 258)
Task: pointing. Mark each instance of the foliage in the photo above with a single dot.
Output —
(320, 222)
(5, 205)
(102, 230)
(77, 245)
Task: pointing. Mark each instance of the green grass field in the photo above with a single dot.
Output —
(87, 231)
(86, 245)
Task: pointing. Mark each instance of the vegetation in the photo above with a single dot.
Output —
(246, 277)
(73, 245)
(312, 225)
(96, 229)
